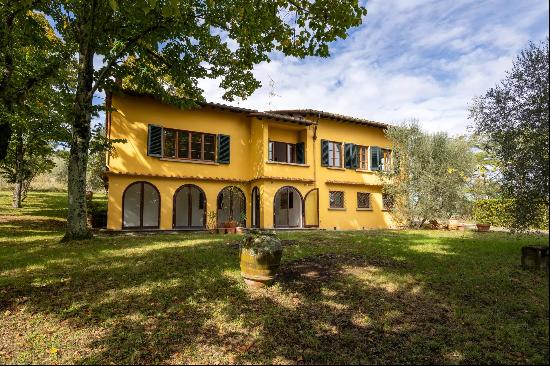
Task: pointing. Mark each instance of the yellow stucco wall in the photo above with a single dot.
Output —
(248, 168)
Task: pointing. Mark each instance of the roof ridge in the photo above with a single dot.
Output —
(331, 115)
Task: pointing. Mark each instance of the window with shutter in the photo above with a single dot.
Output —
(154, 141)
(224, 143)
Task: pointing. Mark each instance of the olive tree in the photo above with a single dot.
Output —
(429, 176)
(513, 119)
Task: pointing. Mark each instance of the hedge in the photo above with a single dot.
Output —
(500, 212)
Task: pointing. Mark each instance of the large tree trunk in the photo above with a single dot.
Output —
(80, 141)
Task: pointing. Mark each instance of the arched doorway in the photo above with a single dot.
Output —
(189, 207)
(140, 206)
(311, 208)
(287, 208)
(255, 207)
(231, 205)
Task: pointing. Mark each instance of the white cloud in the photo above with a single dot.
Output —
(410, 59)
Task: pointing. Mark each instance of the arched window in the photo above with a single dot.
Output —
(287, 208)
(189, 207)
(231, 206)
(141, 206)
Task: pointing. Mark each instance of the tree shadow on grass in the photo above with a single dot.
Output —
(180, 299)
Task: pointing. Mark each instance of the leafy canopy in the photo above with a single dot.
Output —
(165, 47)
(513, 118)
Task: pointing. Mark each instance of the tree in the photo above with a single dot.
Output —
(429, 175)
(166, 47)
(37, 126)
(30, 56)
(485, 182)
(513, 118)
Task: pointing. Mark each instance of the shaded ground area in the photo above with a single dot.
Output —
(340, 297)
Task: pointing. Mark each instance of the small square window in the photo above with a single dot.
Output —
(336, 199)
(363, 200)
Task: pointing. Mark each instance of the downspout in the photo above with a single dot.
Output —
(314, 151)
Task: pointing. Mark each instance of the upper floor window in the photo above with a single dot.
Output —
(335, 154)
(282, 152)
(380, 159)
(189, 145)
(336, 199)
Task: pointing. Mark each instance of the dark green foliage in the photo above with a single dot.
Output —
(513, 119)
(5, 134)
(501, 212)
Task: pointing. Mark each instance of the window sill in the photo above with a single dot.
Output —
(365, 171)
(336, 209)
(190, 161)
(283, 163)
(335, 168)
(364, 209)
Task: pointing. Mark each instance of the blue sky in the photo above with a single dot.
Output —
(421, 59)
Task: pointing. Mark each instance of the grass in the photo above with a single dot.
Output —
(341, 297)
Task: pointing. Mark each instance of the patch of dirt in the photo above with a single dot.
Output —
(323, 267)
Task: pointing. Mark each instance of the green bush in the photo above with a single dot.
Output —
(499, 212)
(97, 209)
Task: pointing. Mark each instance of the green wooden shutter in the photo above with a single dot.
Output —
(324, 152)
(300, 153)
(375, 158)
(224, 142)
(154, 141)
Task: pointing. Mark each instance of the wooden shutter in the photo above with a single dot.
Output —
(154, 141)
(355, 157)
(224, 149)
(300, 154)
(324, 153)
(375, 158)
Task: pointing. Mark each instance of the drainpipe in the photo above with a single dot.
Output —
(314, 151)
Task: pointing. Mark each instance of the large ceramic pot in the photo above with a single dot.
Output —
(260, 259)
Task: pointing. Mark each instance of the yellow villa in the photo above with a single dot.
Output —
(201, 168)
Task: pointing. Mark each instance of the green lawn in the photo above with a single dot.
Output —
(342, 297)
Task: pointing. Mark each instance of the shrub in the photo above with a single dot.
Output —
(501, 212)
(97, 213)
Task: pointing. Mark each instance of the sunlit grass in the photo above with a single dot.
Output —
(342, 297)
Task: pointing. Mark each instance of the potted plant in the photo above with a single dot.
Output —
(230, 226)
(483, 222)
(260, 257)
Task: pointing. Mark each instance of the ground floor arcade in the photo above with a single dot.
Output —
(179, 204)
